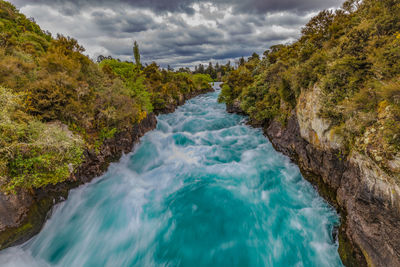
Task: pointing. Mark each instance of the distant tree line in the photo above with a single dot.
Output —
(216, 71)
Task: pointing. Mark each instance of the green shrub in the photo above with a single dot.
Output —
(33, 154)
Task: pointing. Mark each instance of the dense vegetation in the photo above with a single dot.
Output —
(56, 102)
(352, 55)
(215, 71)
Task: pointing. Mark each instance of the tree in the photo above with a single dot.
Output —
(351, 5)
(317, 29)
(211, 71)
(100, 58)
(200, 69)
(228, 66)
(254, 56)
(136, 54)
(242, 61)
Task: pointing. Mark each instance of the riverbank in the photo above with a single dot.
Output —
(359, 190)
(23, 214)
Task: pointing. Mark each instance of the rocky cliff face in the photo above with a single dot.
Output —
(22, 215)
(366, 195)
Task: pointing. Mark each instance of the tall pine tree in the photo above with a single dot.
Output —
(136, 54)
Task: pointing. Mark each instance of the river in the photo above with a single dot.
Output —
(202, 189)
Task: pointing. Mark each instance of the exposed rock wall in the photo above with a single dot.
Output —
(367, 197)
(370, 230)
(368, 194)
(22, 215)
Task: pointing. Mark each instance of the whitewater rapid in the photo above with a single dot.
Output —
(202, 189)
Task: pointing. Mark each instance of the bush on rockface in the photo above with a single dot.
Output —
(32, 153)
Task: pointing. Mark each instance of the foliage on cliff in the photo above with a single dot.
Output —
(55, 84)
(154, 88)
(31, 152)
(353, 55)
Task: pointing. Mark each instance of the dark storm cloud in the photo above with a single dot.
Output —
(260, 6)
(185, 6)
(175, 32)
(121, 22)
(75, 6)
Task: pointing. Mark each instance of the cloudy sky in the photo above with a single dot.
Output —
(175, 32)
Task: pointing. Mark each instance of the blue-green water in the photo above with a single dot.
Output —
(203, 189)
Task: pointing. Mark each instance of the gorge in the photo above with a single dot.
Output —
(203, 188)
(291, 159)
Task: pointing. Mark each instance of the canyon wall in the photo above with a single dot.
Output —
(366, 195)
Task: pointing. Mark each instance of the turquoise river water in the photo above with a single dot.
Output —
(203, 189)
